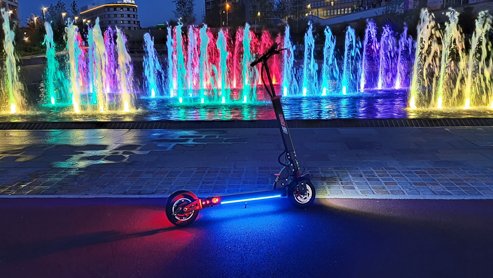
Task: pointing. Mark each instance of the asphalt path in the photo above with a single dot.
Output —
(334, 238)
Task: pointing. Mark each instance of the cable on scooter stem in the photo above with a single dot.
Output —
(263, 59)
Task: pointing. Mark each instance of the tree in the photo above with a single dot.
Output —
(35, 29)
(57, 21)
(74, 8)
(184, 11)
(281, 9)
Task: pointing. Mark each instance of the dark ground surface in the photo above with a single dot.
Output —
(334, 238)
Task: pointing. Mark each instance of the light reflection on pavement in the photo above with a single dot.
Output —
(455, 162)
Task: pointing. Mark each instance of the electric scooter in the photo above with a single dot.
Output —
(183, 206)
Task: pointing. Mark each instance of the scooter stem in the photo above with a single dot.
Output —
(283, 127)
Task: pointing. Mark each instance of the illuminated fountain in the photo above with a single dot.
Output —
(12, 100)
(289, 83)
(441, 69)
(53, 79)
(330, 69)
(125, 72)
(404, 60)
(249, 74)
(310, 67)
(153, 72)
(214, 68)
(351, 71)
(222, 72)
(76, 68)
(100, 74)
(111, 61)
(193, 60)
(169, 44)
(446, 74)
(370, 58)
(388, 59)
(478, 88)
(205, 71)
(98, 61)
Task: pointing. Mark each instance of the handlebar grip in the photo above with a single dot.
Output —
(254, 63)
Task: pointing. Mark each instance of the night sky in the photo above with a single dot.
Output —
(151, 12)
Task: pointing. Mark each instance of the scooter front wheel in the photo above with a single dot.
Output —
(174, 208)
(301, 194)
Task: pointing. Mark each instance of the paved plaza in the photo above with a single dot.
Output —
(402, 162)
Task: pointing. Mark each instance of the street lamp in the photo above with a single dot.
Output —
(76, 18)
(44, 11)
(35, 22)
(63, 17)
(258, 16)
(227, 13)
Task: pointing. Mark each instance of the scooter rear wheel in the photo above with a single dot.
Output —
(175, 203)
(302, 194)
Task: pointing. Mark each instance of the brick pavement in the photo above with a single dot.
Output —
(344, 162)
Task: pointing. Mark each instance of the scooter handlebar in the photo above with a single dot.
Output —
(272, 50)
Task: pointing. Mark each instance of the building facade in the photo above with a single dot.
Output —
(328, 9)
(224, 10)
(261, 11)
(12, 6)
(122, 14)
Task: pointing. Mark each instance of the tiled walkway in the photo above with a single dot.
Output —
(344, 162)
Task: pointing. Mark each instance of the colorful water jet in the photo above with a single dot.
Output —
(99, 72)
(12, 87)
(52, 76)
(404, 60)
(289, 84)
(388, 59)
(310, 67)
(370, 58)
(153, 72)
(98, 60)
(330, 68)
(75, 56)
(125, 72)
(211, 66)
(351, 71)
(446, 74)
